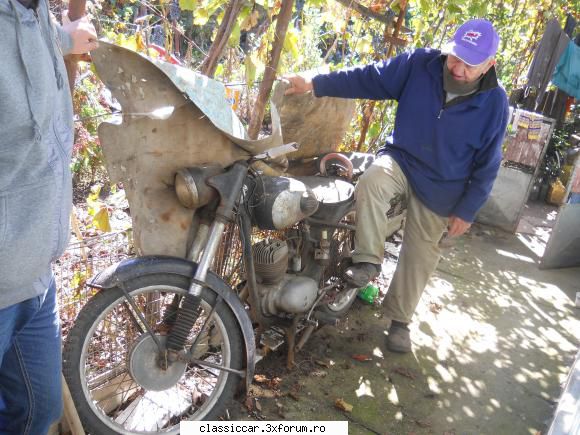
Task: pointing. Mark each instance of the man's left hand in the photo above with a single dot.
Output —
(457, 226)
(83, 34)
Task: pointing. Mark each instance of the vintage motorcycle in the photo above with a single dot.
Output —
(166, 339)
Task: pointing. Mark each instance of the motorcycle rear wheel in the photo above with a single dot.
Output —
(109, 360)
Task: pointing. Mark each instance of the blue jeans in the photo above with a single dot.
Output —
(30, 365)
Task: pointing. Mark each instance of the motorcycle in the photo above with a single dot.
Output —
(166, 339)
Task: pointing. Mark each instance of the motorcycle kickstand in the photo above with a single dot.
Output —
(291, 337)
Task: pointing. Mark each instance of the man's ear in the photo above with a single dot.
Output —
(491, 63)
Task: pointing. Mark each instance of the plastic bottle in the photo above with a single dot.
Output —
(368, 293)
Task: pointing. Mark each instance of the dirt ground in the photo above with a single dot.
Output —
(493, 339)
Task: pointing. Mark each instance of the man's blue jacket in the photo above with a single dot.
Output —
(450, 153)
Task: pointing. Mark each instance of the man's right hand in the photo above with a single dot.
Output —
(298, 84)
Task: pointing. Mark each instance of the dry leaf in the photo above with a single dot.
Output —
(404, 372)
(423, 423)
(322, 363)
(274, 383)
(260, 378)
(361, 357)
(342, 405)
(435, 308)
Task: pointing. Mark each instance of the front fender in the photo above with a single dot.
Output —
(129, 269)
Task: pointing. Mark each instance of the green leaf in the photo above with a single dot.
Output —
(454, 9)
(250, 71)
(291, 43)
(101, 220)
(187, 5)
(201, 17)
(363, 45)
(234, 40)
(219, 71)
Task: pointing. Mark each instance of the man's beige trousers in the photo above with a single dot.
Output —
(423, 230)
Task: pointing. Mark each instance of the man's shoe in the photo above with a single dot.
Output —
(360, 274)
(399, 339)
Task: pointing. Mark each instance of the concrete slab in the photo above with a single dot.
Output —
(494, 338)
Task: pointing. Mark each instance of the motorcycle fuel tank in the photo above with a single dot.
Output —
(280, 202)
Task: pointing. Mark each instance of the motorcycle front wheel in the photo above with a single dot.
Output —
(110, 361)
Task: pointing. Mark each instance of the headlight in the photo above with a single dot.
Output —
(191, 188)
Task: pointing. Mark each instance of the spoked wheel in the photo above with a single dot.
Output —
(111, 362)
(341, 248)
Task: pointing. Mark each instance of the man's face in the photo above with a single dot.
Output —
(467, 73)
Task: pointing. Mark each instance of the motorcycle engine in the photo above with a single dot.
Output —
(279, 291)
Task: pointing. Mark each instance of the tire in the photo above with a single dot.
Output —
(341, 248)
(105, 361)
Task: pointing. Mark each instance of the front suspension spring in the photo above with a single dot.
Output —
(187, 316)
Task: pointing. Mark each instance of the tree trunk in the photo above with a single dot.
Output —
(216, 50)
(270, 73)
(370, 106)
(76, 9)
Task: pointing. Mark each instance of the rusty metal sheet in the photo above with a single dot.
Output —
(317, 124)
(145, 151)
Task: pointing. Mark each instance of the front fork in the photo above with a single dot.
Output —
(229, 186)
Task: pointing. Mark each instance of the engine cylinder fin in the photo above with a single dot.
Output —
(270, 260)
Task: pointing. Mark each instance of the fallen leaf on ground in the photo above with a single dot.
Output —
(274, 383)
(342, 405)
(435, 308)
(361, 357)
(260, 378)
(404, 372)
(322, 363)
(423, 423)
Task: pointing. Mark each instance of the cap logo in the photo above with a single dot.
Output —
(471, 37)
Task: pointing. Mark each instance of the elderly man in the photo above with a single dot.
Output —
(443, 155)
(35, 201)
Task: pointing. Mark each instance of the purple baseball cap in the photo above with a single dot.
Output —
(474, 42)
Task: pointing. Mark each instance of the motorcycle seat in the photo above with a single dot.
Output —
(335, 197)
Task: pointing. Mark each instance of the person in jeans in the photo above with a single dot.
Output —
(36, 135)
(443, 156)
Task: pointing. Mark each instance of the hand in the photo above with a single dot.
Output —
(298, 84)
(83, 34)
(457, 226)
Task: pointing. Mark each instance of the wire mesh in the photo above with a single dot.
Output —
(86, 258)
(79, 263)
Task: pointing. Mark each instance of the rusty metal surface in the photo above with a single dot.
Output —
(145, 153)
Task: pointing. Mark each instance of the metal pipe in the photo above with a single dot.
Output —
(199, 242)
(215, 235)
